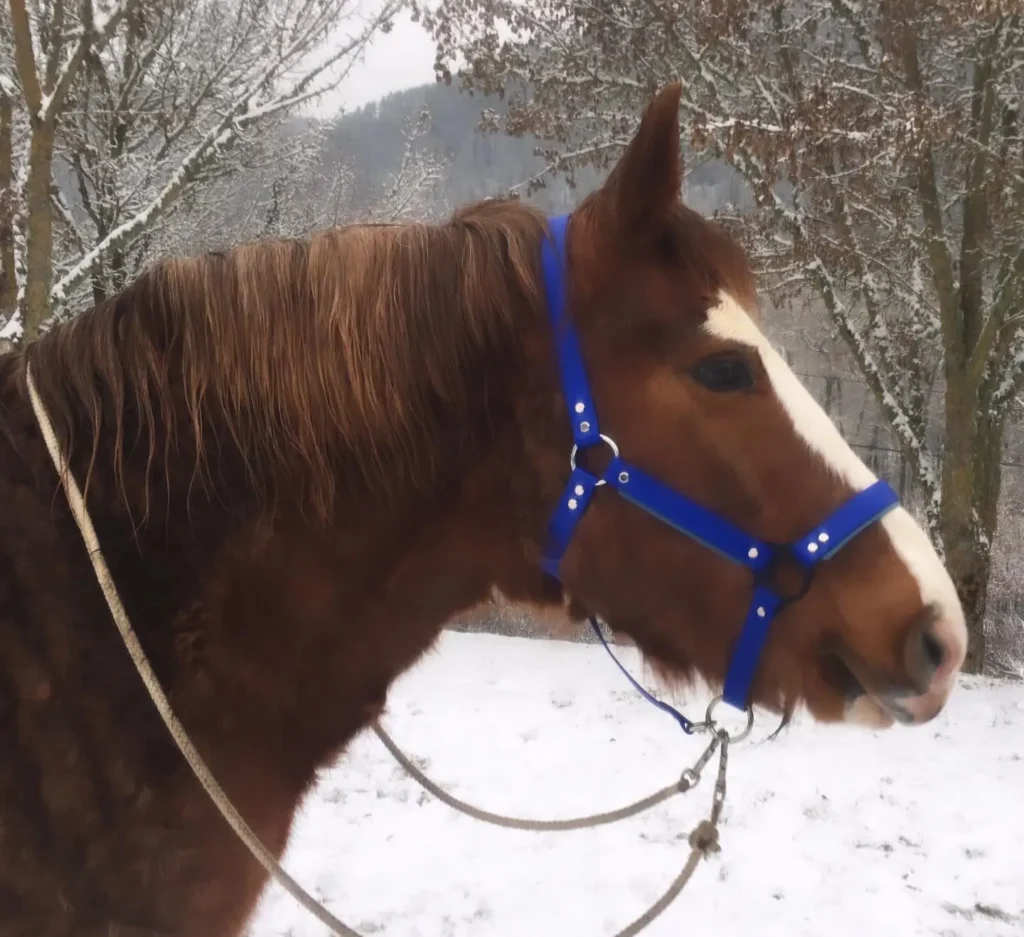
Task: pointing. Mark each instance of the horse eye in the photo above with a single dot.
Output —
(724, 372)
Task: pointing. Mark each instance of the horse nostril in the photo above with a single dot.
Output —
(933, 649)
(923, 656)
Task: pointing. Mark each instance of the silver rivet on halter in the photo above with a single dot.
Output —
(823, 537)
(584, 427)
(752, 553)
(579, 490)
(760, 611)
(573, 504)
(580, 407)
(812, 548)
(623, 477)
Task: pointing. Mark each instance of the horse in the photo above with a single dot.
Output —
(302, 457)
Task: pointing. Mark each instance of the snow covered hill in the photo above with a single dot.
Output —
(827, 831)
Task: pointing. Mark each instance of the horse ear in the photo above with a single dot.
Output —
(645, 183)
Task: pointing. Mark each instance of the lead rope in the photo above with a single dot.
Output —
(688, 779)
(703, 840)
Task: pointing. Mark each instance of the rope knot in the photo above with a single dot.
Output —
(705, 838)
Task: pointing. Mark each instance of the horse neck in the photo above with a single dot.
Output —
(303, 626)
(297, 624)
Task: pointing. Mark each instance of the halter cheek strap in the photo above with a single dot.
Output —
(676, 509)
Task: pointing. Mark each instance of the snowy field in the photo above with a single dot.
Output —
(826, 831)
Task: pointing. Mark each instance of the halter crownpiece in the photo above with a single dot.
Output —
(676, 509)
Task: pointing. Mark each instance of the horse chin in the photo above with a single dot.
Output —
(868, 712)
(863, 703)
(835, 694)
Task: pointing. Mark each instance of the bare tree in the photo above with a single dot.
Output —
(276, 185)
(127, 105)
(413, 189)
(881, 145)
(289, 187)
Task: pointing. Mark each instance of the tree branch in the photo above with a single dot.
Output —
(931, 206)
(24, 57)
(245, 112)
(63, 212)
(89, 40)
(975, 211)
(8, 274)
(912, 444)
(1007, 293)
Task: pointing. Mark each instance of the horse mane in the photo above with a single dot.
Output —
(356, 340)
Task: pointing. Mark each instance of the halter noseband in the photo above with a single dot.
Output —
(676, 509)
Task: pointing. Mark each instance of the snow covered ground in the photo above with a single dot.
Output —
(827, 831)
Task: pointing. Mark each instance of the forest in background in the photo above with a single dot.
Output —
(239, 164)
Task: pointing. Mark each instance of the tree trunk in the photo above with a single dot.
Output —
(972, 586)
(971, 481)
(988, 484)
(8, 275)
(39, 242)
(969, 560)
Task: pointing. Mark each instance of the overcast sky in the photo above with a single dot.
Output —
(401, 59)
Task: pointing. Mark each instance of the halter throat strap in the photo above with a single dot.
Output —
(673, 507)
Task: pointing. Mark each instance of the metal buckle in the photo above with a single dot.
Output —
(608, 441)
(710, 725)
(767, 575)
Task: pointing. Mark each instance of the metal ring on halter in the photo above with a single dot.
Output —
(608, 441)
(709, 722)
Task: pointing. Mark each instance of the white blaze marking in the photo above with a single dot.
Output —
(730, 321)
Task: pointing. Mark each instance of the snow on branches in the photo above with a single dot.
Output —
(880, 149)
(880, 144)
(123, 109)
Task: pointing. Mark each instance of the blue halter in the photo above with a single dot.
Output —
(677, 510)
